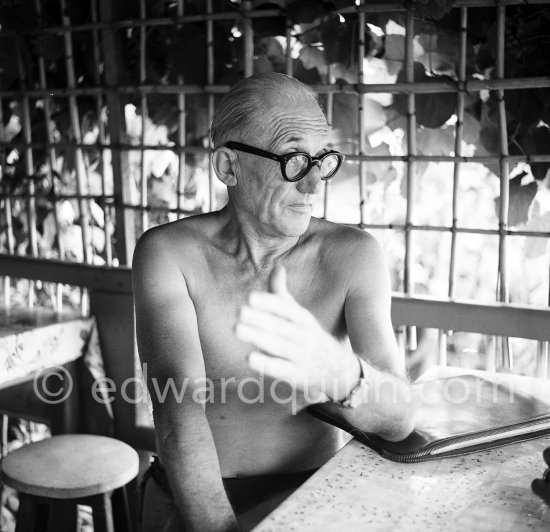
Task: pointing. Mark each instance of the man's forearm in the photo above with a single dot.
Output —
(387, 409)
(187, 452)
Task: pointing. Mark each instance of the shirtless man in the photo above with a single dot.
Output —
(261, 288)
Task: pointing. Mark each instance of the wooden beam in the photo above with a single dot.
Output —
(97, 278)
(451, 315)
(446, 314)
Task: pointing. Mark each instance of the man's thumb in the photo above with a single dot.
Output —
(277, 282)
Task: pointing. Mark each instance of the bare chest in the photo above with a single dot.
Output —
(222, 286)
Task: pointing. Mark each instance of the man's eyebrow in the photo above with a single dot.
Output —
(328, 145)
(293, 139)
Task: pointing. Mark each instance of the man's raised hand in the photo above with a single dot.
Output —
(291, 345)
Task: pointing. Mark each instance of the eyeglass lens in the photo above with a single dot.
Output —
(298, 164)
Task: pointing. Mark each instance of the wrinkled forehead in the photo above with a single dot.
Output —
(294, 122)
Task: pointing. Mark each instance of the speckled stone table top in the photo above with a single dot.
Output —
(358, 490)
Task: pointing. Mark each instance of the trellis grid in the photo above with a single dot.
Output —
(126, 216)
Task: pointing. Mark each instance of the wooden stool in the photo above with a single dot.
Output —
(63, 471)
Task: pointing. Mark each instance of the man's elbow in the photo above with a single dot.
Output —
(400, 418)
(401, 425)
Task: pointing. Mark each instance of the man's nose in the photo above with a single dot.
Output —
(311, 183)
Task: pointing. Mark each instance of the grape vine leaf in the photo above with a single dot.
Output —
(379, 171)
(541, 135)
(535, 246)
(48, 46)
(307, 11)
(188, 54)
(532, 141)
(523, 105)
(431, 9)
(432, 109)
(346, 108)
(520, 199)
(337, 39)
(268, 26)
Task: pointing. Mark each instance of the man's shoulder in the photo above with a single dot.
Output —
(346, 239)
(354, 254)
(175, 239)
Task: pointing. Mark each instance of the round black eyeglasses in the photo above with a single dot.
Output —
(296, 165)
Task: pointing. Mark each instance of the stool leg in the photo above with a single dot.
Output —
(63, 516)
(102, 513)
(121, 510)
(26, 514)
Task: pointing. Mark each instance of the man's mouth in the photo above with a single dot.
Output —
(301, 206)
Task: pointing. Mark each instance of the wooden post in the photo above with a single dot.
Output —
(458, 145)
(210, 82)
(144, 115)
(125, 230)
(361, 117)
(82, 180)
(503, 291)
(29, 167)
(181, 133)
(330, 79)
(408, 277)
(105, 160)
(6, 208)
(248, 36)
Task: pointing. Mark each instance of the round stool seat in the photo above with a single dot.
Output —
(70, 466)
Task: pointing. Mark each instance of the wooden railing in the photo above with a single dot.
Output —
(111, 303)
(447, 314)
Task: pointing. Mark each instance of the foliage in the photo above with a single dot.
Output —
(324, 43)
(432, 109)
(521, 196)
(324, 48)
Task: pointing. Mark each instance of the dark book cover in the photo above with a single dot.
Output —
(456, 415)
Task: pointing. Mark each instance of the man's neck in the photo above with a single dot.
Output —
(247, 242)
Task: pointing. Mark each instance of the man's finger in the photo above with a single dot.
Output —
(267, 341)
(271, 322)
(286, 308)
(277, 282)
(275, 368)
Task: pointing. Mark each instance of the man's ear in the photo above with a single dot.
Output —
(224, 162)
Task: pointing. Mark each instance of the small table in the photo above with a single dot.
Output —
(41, 346)
(359, 490)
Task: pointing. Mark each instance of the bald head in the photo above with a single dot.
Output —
(241, 114)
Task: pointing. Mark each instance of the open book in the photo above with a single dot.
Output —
(456, 415)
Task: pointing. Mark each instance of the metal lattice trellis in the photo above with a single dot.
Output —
(126, 214)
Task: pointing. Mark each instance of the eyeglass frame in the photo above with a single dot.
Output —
(283, 159)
